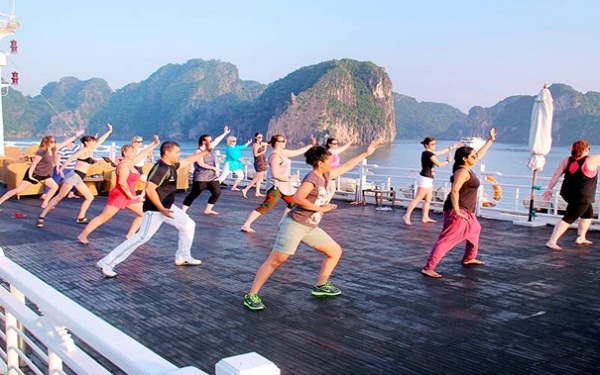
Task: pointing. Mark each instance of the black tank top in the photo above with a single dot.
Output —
(467, 195)
(427, 165)
(577, 187)
(89, 160)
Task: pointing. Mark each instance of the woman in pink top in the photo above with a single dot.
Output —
(123, 195)
(578, 189)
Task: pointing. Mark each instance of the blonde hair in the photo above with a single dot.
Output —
(231, 138)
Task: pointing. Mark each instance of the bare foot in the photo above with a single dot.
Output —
(72, 196)
(406, 220)
(259, 195)
(244, 192)
(211, 212)
(425, 221)
(83, 239)
(235, 189)
(247, 230)
(474, 262)
(430, 273)
(553, 246)
(582, 242)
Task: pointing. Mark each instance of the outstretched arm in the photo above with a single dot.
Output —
(300, 151)
(341, 149)
(355, 160)
(439, 163)
(104, 136)
(218, 140)
(448, 149)
(483, 150)
(147, 150)
(70, 139)
(192, 158)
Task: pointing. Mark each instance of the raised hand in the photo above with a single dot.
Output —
(374, 146)
(155, 139)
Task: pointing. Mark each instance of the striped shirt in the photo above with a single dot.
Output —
(65, 153)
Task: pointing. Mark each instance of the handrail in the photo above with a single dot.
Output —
(60, 317)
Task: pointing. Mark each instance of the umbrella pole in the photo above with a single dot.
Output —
(532, 195)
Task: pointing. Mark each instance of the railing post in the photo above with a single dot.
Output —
(55, 364)
(363, 175)
(480, 191)
(13, 339)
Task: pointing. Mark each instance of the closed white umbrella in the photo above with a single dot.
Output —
(540, 137)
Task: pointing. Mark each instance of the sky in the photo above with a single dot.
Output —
(462, 53)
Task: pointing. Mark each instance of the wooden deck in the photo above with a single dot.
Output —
(529, 310)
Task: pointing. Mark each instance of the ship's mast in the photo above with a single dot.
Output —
(8, 26)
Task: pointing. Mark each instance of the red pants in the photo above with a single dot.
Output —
(455, 230)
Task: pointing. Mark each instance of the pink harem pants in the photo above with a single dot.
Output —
(455, 230)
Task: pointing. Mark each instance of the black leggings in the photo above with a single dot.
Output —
(198, 187)
(576, 210)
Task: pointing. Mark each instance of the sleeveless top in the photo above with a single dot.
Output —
(283, 166)
(203, 174)
(260, 161)
(427, 166)
(89, 160)
(335, 160)
(118, 198)
(576, 186)
(467, 195)
(319, 196)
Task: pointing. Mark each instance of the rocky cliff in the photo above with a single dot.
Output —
(348, 100)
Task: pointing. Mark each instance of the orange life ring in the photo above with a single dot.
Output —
(496, 186)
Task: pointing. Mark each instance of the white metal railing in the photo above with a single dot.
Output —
(507, 200)
(42, 329)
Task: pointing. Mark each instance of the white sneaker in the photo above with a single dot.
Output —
(187, 261)
(106, 270)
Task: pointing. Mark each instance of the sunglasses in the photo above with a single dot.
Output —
(141, 141)
(334, 143)
(281, 141)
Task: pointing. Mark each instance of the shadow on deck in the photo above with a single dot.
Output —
(529, 310)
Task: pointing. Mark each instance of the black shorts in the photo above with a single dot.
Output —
(576, 210)
(37, 177)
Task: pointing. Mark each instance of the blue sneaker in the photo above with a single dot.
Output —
(253, 302)
(325, 290)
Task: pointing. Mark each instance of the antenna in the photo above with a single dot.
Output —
(8, 26)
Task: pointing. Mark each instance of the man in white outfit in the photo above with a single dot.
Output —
(158, 209)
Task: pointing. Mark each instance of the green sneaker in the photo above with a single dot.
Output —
(253, 302)
(325, 290)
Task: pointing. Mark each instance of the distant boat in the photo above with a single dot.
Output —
(475, 142)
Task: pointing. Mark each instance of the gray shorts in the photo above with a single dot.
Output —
(73, 179)
(292, 233)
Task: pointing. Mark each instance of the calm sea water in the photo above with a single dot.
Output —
(503, 157)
